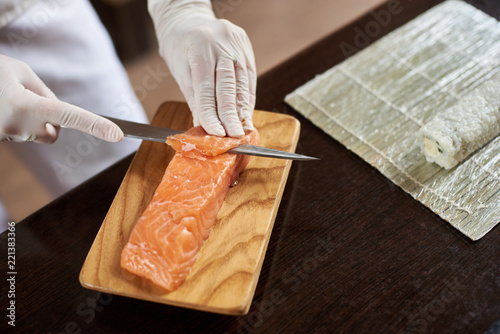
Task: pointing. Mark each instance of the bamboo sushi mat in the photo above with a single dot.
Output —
(375, 102)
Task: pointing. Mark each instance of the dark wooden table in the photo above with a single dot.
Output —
(350, 252)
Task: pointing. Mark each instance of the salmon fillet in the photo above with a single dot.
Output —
(167, 238)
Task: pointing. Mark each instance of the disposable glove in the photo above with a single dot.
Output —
(212, 61)
(29, 111)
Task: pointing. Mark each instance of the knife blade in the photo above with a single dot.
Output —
(159, 134)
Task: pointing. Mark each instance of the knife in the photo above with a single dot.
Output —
(160, 134)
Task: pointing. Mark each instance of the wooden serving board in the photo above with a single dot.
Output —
(225, 274)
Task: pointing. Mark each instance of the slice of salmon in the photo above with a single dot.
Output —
(167, 238)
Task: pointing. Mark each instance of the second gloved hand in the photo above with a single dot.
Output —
(212, 61)
(29, 111)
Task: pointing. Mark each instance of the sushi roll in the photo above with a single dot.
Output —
(465, 127)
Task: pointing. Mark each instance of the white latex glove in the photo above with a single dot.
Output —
(29, 111)
(212, 61)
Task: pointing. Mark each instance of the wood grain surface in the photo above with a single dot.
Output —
(225, 274)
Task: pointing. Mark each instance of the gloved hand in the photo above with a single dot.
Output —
(212, 61)
(29, 111)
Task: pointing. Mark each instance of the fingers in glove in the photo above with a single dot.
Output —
(192, 106)
(30, 80)
(188, 92)
(204, 96)
(243, 97)
(185, 83)
(42, 134)
(226, 98)
(70, 116)
(48, 135)
(251, 72)
(252, 87)
(37, 86)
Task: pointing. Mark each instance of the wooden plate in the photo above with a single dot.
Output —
(225, 274)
